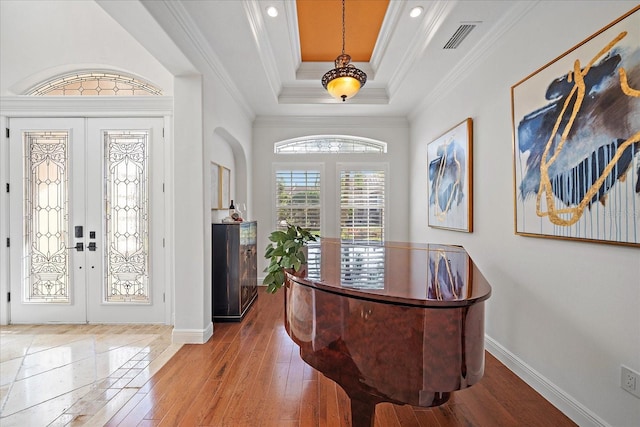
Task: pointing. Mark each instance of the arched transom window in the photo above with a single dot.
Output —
(94, 83)
(329, 144)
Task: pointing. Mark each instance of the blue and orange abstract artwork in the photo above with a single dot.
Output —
(577, 141)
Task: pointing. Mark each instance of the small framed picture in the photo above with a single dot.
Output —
(225, 187)
(216, 201)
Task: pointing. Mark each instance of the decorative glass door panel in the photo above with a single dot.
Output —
(46, 216)
(127, 277)
(83, 193)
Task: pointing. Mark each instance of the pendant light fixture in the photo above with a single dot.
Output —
(344, 81)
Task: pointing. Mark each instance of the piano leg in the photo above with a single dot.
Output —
(362, 413)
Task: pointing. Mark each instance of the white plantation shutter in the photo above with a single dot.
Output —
(362, 266)
(362, 195)
(362, 203)
(298, 199)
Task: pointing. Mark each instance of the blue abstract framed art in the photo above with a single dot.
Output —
(449, 175)
(576, 141)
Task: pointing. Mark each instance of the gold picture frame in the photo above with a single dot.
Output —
(576, 141)
(450, 179)
(225, 187)
(220, 186)
(214, 187)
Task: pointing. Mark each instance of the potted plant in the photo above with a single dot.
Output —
(286, 252)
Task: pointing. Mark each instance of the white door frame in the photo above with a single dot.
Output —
(27, 106)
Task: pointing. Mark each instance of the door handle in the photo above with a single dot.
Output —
(92, 246)
(78, 247)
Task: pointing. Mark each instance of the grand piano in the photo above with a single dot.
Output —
(392, 322)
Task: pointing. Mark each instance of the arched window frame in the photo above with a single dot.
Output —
(102, 80)
(337, 144)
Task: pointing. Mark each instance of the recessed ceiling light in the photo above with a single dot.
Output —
(272, 11)
(416, 11)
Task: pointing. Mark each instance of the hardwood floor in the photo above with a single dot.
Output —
(251, 374)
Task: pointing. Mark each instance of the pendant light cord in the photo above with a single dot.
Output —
(343, 30)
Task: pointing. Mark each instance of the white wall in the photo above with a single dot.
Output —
(41, 39)
(219, 151)
(209, 126)
(563, 314)
(268, 130)
(227, 141)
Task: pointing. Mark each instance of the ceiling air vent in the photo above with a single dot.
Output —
(461, 33)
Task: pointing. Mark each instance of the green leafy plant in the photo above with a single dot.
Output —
(285, 252)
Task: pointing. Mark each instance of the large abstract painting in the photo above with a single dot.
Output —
(449, 175)
(576, 141)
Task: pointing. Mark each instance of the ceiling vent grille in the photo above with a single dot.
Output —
(461, 33)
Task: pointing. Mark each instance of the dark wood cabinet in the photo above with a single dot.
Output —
(235, 277)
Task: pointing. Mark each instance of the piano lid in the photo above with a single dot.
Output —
(414, 274)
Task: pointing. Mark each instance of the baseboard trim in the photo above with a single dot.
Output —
(556, 396)
(192, 336)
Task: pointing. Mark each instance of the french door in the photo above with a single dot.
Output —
(86, 214)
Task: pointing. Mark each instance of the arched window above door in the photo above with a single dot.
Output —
(94, 83)
(329, 144)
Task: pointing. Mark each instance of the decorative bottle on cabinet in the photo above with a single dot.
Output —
(235, 277)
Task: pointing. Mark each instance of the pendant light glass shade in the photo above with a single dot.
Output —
(343, 87)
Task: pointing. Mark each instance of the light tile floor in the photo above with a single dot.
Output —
(76, 375)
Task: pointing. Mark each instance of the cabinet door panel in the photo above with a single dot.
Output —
(234, 269)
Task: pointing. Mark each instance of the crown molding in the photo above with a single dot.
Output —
(140, 23)
(434, 17)
(291, 14)
(318, 95)
(315, 70)
(265, 51)
(391, 19)
(307, 122)
(197, 40)
(104, 106)
(471, 60)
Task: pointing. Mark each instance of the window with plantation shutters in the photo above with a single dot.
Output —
(298, 199)
(351, 200)
(362, 204)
